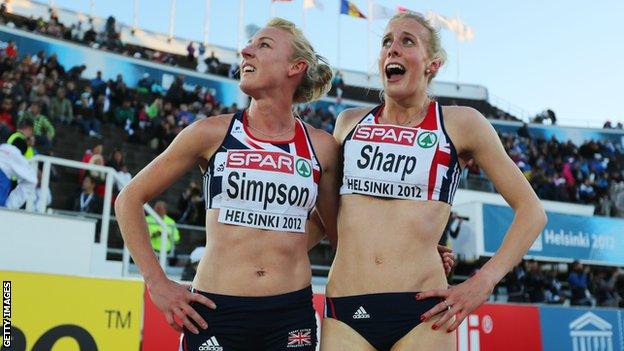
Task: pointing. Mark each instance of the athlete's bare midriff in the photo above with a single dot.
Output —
(387, 245)
(242, 261)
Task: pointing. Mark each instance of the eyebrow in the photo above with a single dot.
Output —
(269, 38)
(403, 33)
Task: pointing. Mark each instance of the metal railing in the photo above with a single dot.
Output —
(111, 176)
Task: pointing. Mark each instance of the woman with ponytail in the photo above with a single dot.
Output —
(264, 172)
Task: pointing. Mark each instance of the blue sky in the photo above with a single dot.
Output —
(530, 55)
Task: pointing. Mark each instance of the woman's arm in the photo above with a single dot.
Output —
(189, 147)
(324, 218)
(480, 141)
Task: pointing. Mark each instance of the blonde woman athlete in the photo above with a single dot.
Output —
(264, 172)
(402, 163)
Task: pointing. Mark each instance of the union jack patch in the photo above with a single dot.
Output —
(300, 337)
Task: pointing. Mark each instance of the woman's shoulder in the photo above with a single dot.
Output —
(210, 126)
(353, 114)
(347, 121)
(461, 112)
(202, 135)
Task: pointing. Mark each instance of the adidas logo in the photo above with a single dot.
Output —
(361, 314)
(210, 345)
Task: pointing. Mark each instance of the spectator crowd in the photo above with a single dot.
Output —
(576, 284)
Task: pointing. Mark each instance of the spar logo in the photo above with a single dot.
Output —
(262, 160)
(303, 168)
(385, 134)
(427, 139)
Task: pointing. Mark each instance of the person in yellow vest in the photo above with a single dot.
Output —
(155, 229)
(20, 137)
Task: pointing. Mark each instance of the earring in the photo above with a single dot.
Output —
(427, 71)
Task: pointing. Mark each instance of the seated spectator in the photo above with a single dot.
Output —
(123, 177)
(76, 31)
(43, 130)
(97, 149)
(7, 126)
(175, 93)
(98, 177)
(191, 205)
(184, 116)
(516, 284)
(116, 160)
(154, 229)
(604, 288)
(11, 50)
(213, 63)
(85, 117)
(72, 94)
(579, 285)
(587, 193)
(98, 86)
(88, 201)
(535, 282)
(75, 73)
(338, 83)
(125, 116)
(39, 96)
(61, 108)
(190, 52)
(90, 36)
(553, 291)
(144, 85)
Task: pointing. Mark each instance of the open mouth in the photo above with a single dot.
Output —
(395, 70)
(248, 69)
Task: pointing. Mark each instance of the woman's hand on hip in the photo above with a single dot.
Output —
(458, 300)
(174, 300)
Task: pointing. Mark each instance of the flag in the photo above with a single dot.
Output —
(308, 4)
(381, 12)
(348, 8)
(455, 25)
(401, 9)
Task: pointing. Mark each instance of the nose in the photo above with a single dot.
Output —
(247, 52)
(394, 50)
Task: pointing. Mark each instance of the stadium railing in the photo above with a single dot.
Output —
(111, 177)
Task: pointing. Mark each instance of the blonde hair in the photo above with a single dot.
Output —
(434, 47)
(317, 79)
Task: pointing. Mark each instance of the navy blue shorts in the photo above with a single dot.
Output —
(282, 322)
(382, 319)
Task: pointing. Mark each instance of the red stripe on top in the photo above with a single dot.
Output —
(439, 158)
(301, 142)
(250, 142)
(431, 121)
